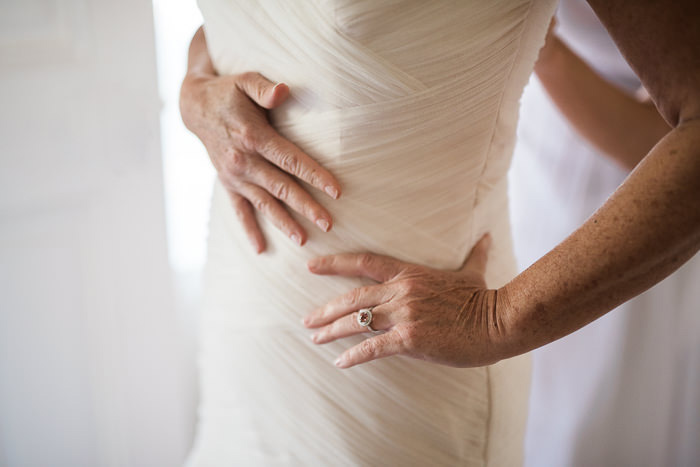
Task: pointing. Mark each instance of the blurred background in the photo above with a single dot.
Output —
(103, 209)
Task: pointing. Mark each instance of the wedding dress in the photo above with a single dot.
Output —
(624, 390)
(413, 107)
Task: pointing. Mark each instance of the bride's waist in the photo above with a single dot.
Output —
(434, 226)
(418, 134)
(279, 287)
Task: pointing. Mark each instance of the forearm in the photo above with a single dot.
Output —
(616, 123)
(199, 67)
(646, 230)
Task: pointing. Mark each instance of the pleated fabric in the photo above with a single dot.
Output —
(413, 107)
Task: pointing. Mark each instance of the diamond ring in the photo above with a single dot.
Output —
(364, 318)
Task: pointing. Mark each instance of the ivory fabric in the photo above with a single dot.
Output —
(624, 390)
(413, 106)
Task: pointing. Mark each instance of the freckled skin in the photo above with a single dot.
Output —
(647, 229)
(445, 317)
(651, 225)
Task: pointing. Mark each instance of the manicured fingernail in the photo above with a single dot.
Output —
(332, 192)
(323, 224)
(296, 239)
(340, 363)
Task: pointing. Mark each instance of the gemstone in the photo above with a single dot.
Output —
(364, 317)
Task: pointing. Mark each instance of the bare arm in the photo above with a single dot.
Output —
(620, 125)
(645, 231)
(199, 64)
(651, 225)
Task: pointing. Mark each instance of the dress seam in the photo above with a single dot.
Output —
(507, 81)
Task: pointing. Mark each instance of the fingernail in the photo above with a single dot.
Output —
(323, 224)
(296, 239)
(340, 363)
(314, 338)
(332, 192)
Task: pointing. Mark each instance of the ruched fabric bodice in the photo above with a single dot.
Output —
(413, 107)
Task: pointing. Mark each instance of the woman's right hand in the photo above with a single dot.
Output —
(257, 166)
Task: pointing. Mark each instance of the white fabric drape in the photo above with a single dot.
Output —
(413, 106)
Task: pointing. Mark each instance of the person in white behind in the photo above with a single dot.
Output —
(624, 390)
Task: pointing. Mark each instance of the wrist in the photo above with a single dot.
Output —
(509, 338)
(192, 97)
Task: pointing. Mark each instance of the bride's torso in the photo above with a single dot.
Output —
(412, 105)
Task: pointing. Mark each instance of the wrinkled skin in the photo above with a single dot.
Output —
(258, 167)
(446, 317)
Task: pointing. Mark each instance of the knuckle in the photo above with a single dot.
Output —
(280, 190)
(309, 174)
(369, 347)
(365, 260)
(262, 204)
(409, 335)
(249, 135)
(247, 76)
(237, 163)
(259, 93)
(410, 285)
(352, 297)
(289, 163)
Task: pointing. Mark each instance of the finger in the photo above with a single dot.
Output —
(283, 187)
(378, 267)
(382, 319)
(476, 261)
(287, 156)
(361, 297)
(273, 210)
(379, 346)
(261, 90)
(246, 214)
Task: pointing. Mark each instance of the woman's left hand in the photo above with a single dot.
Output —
(446, 317)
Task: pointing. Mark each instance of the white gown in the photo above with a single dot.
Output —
(624, 390)
(413, 106)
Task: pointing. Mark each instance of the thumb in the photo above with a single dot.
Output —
(261, 90)
(476, 261)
